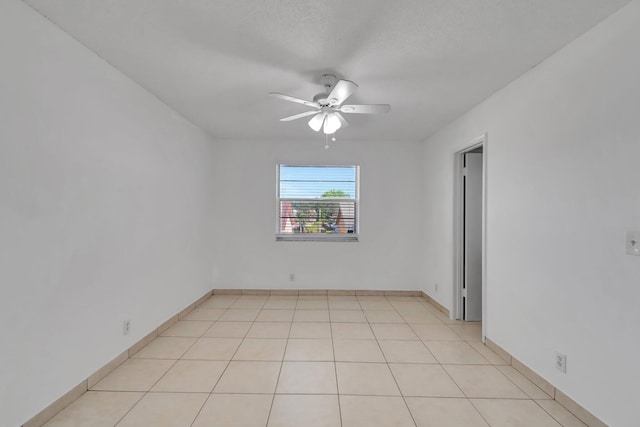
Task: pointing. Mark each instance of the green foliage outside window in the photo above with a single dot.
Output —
(317, 216)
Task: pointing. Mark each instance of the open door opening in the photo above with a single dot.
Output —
(470, 288)
(472, 236)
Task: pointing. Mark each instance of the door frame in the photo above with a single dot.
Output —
(458, 227)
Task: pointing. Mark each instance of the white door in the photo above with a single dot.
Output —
(472, 283)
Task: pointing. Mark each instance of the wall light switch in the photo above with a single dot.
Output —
(633, 243)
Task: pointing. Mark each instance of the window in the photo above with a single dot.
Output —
(317, 203)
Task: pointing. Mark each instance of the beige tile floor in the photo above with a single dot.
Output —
(316, 361)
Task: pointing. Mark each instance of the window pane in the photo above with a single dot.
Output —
(305, 216)
(315, 182)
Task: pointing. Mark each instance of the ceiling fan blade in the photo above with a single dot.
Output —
(342, 90)
(365, 109)
(294, 99)
(298, 116)
(316, 121)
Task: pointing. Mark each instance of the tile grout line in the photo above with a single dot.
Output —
(466, 397)
(335, 368)
(210, 394)
(551, 415)
(130, 409)
(231, 357)
(145, 393)
(181, 358)
(514, 383)
(478, 411)
(393, 376)
(286, 344)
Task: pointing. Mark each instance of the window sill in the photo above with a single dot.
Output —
(316, 237)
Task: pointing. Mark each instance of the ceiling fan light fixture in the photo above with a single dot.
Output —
(316, 121)
(331, 123)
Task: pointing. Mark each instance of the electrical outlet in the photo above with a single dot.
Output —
(126, 327)
(292, 277)
(436, 287)
(561, 362)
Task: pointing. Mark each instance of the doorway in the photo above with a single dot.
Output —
(470, 232)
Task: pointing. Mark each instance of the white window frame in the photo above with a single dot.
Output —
(319, 237)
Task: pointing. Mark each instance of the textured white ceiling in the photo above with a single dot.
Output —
(214, 61)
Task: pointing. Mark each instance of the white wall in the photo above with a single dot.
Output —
(563, 188)
(105, 212)
(389, 252)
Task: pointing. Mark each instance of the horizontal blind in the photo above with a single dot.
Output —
(318, 199)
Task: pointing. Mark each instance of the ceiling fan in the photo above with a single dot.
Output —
(328, 106)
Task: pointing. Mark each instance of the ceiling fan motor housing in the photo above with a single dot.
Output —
(328, 81)
(321, 99)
